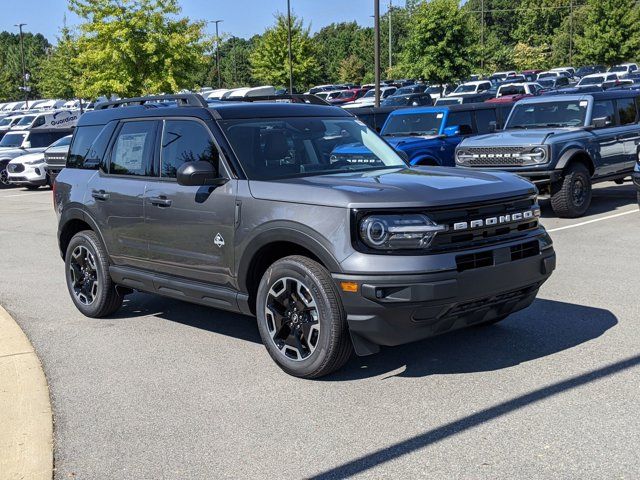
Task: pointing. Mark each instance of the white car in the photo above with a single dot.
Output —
(597, 79)
(471, 88)
(49, 119)
(520, 88)
(9, 121)
(369, 98)
(570, 70)
(30, 170)
(503, 75)
(554, 74)
(624, 69)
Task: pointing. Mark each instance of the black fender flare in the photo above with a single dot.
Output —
(285, 232)
(566, 157)
(422, 158)
(78, 213)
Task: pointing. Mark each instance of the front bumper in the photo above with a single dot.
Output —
(30, 175)
(540, 177)
(396, 309)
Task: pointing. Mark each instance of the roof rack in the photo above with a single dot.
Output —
(286, 98)
(181, 99)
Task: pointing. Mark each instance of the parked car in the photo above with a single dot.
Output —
(554, 74)
(501, 76)
(329, 256)
(597, 79)
(471, 88)
(17, 143)
(373, 117)
(49, 119)
(525, 88)
(347, 96)
(368, 99)
(624, 69)
(531, 75)
(439, 91)
(564, 144)
(8, 122)
(408, 100)
(429, 135)
(550, 83)
(462, 99)
(589, 70)
(30, 170)
(409, 89)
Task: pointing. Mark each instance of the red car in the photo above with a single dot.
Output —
(347, 96)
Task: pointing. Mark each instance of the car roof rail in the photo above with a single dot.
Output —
(181, 99)
(286, 98)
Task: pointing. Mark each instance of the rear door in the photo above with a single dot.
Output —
(611, 149)
(190, 229)
(116, 193)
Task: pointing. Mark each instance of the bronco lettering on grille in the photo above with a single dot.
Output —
(498, 220)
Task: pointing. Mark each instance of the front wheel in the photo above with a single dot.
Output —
(301, 318)
(571, 196)
(4, 176)
(87, 274)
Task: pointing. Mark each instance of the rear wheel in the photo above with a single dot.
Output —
(87, 274)
(4, 175)
(301, 318)
(571, 197)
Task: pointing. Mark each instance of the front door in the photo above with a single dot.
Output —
(190, 229)
(611, 149)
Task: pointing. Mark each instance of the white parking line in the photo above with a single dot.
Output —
(593, 221)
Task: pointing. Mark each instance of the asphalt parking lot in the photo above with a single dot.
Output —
(168, 390)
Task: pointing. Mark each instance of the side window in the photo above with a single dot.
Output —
(626, 110)
(41, 139)
(462, 119)
(185, 141)
(132, 151)
(602, 109)
(39, 122)
(484, 118)
(80, 145)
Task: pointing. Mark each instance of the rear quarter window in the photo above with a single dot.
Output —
(81, 145)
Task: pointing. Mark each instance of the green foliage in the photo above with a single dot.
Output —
(611, 32)
(441, 46)
(35, 48)
(270, 57)
(526, 57)
(58, 75)
(137, 47)
(351, 69)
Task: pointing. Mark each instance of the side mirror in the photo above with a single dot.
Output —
(601, 122)
(452, 131)
(198, 174)
(493, 126)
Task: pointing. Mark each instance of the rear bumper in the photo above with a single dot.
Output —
(396, 309)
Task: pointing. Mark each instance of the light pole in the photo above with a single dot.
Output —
(390, 13)
(289, 45)
(376, 47)
(218, 52)
(24, 70)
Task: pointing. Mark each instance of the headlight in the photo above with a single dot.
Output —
(536, 155)
(34, 162)
(397, 232)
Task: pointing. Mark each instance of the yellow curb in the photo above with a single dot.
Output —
(26, 429)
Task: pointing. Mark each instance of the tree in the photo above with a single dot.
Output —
(270, 57)
(58, 75)
(35, 49)
(611, 32)
(336, 42)
(538, 21)
(351, 70)
(441, 46)
(137, 47)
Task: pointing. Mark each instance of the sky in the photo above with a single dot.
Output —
(242, 18)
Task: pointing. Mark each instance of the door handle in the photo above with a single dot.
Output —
(161, 201)
(100, 195)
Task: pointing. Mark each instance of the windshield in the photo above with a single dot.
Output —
(12, 140)
(570, 113)
(547, 83)
(26, 120)
(6, 121)
(466, 89)
(591, 81)
(548, 75)
(512, 90)
(276, 148)
(619, 68)
(427, 123)
(371, 93)
(397, 100)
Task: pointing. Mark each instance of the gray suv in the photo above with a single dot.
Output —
(243, 206)
(564, 144)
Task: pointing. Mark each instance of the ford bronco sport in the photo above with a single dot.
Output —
(239, 206)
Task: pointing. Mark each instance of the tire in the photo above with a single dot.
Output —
(32, 187)
(105, 299)
(571, 197)
(283, 323)
(4, 175)
(639, 197)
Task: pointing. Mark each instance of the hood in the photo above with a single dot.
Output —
(507, 138)
(395, 188)
(29, 157)
(7, 152)
(408, 142)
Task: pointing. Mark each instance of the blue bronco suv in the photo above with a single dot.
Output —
(563, 144)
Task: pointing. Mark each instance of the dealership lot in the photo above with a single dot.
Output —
(165, 389)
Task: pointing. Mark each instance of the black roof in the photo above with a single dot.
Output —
(222, 110)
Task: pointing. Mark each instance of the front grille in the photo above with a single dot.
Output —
(509, 297)
(493, 156)
(452, 240)
(15, 168)
(55, 160)
(18, 179)
(474, 260)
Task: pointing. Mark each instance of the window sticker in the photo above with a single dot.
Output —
(129, 151)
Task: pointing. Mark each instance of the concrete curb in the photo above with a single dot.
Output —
(26, 428)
